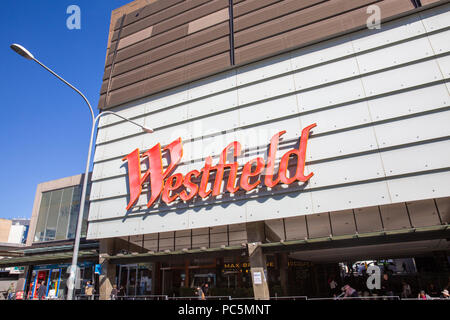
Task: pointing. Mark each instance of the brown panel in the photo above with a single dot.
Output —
(395, 216)
(191, 15)
(423, 213)
(149, 44)
(165, 16)
(250, 5)
(316, 32)
(368, 220)
(135, 37)
(443, 205)
(170, 79)
(163, 51)
(297, 19)
(209, 21)
(319, 225)
(272, 12)
(171, 63)
(342, 222)
(296, 228)
(428, 2)
(149, 10)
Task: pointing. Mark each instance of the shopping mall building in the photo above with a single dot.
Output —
(291, 140)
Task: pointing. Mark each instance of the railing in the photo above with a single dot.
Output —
(359, 298)
(289, 298)
(199, 298)
(144, 297)
(86, 297)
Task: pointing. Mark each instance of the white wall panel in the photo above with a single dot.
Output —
(420, 187)
(211, 85)
(338, 118)
(269, 110)
(440, 42)
(326, 73)
(118, 148)
(275, 206)
(212, 104)
(437, 18)
(167, 117)
(418, 158)
(330, 95)
(263, 69)
(167, 99)
(322, 52)
(444, 65)
(390, 32)
(410, 102)
(121, 130)
(266, 89)
(217, 215)
(340, 144)
(129, 110)
(348, 170)
(394, 55)
(354, 196)
(400, 78)
(415, 129)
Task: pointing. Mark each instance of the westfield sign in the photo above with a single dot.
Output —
(171, 187)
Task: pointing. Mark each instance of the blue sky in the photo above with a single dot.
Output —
(45, 125)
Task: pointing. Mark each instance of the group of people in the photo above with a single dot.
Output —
(202, 292)
(387, 289)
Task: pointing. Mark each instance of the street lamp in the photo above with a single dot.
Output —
(73, 274)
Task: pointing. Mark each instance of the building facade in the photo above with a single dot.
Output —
(289, 136)
(47, 255)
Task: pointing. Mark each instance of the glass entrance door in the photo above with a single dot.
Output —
(127, 279)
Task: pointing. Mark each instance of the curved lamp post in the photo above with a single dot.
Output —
(73, 274)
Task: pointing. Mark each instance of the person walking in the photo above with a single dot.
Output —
(349, 292)
(42, 291)
(205, 289)
(200, 294)
(114, 292)
(445, 294)
(11, 291)
(89, 291)
(406, 290)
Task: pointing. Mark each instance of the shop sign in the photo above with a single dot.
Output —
(171, 187)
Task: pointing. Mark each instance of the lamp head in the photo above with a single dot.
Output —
(148, 130)
(22, 51)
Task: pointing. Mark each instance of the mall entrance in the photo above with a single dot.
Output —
(135, 279)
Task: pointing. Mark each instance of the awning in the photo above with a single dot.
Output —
(47, 259)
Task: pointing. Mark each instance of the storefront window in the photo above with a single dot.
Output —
(58, 214)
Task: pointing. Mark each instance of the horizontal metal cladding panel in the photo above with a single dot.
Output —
(150, 9)
(444, 65)
(437, 18)
(170, 42)
(423, 157)
(349, 197)
(248, 6)
(297, 19)
(170, 63)
(213, 104)
(266, 89)
(390, 32)
(327, 73)
(420, 187)
(212, 85)
(409, 102)
(263, 69)
(271, 12)
(279, 206)
(317, 31)
(170, 79)
(404, 77)
(395, 55)
(413, 129)
(139, 55)
(361, 168)
(178, 15)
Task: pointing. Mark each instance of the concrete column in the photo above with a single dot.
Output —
(258, 264)
(108, 276)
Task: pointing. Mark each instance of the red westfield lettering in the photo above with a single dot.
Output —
(164, 185)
